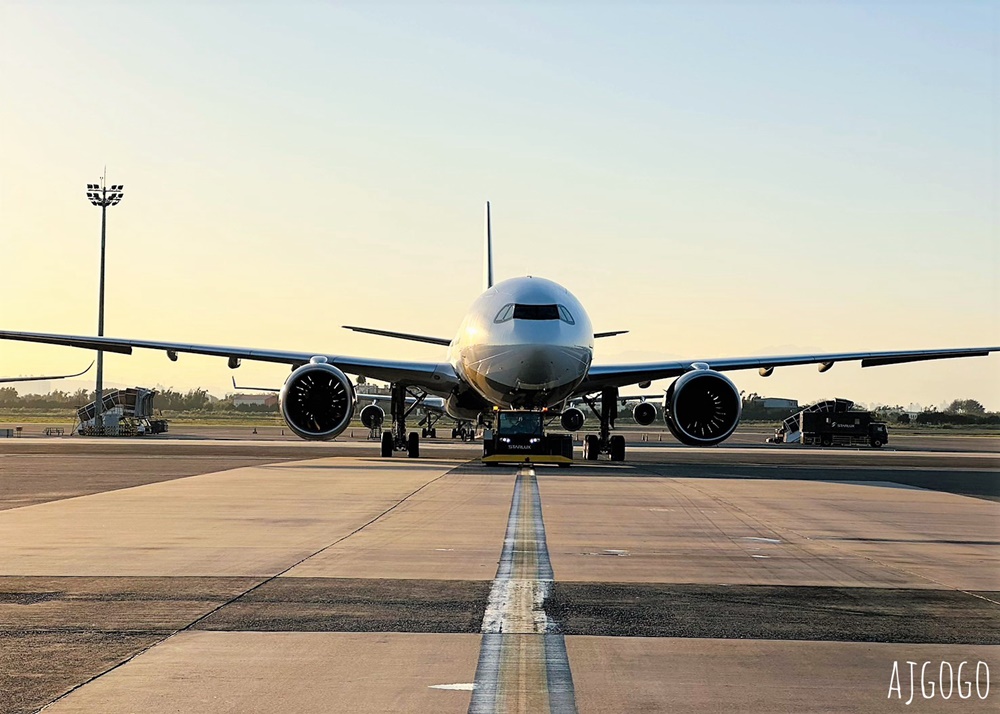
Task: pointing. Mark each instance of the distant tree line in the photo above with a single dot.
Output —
(959, 412)
(167, 400)
(11, 399)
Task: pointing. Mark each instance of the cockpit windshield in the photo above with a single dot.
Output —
(534, 312)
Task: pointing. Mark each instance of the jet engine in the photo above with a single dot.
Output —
(372, 416)
(317, 400)
(644, 413)
(702, 408)
(572, 419)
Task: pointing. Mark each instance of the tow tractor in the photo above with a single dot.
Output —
(519, 436)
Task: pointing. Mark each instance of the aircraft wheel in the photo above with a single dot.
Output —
(618, 448)
(433, 433)
(454, 434)
(413, 445)
(591, 447)
(387, 443)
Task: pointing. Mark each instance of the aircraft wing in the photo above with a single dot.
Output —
(620, 375)
(51, 376)
(433, 404)
(433, 376)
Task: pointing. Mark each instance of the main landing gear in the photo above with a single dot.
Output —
(603, 443)
(396, 438)
(428, 422)
(464, 431)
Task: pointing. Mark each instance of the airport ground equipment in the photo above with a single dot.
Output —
(519, 436)
(124, 412)
(832, 423)
(842, 429)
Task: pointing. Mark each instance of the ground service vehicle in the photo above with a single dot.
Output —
(519, 437)
(842, 429)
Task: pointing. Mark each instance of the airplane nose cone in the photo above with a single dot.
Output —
(548, 367)
(537, 367)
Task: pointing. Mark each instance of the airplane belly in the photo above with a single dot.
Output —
(467, 405)
(525, 375)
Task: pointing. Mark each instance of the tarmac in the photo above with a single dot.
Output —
(228, 573)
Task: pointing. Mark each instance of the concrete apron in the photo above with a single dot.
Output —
(523, 665)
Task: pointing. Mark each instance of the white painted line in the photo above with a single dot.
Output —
(464, 687)
(523, 664)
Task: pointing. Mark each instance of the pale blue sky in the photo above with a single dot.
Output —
(689, 170)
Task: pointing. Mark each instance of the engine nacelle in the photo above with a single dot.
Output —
(317, 400)
(372, 416)
(702, 408)
(572, 419)
(644, 413)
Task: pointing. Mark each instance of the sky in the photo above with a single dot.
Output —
(721, 179)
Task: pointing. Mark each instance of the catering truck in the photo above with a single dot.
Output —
(842, 429)
(831, 422)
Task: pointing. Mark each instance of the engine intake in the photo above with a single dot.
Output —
(572, 419)
(372, 416)
(702, 408)
(644, 413)
(317, 401)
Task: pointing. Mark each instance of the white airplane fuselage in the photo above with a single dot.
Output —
(525, 343)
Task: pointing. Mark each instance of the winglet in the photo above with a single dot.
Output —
(255, 389)
(41, 379)
(488, 267)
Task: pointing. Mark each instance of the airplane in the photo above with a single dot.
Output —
(39, 379)
(526, 343)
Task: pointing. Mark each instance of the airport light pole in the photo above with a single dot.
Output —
(101, 195)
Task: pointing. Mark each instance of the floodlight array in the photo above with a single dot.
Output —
(101, 196)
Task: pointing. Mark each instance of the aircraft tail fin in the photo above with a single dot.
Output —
(488, 266)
